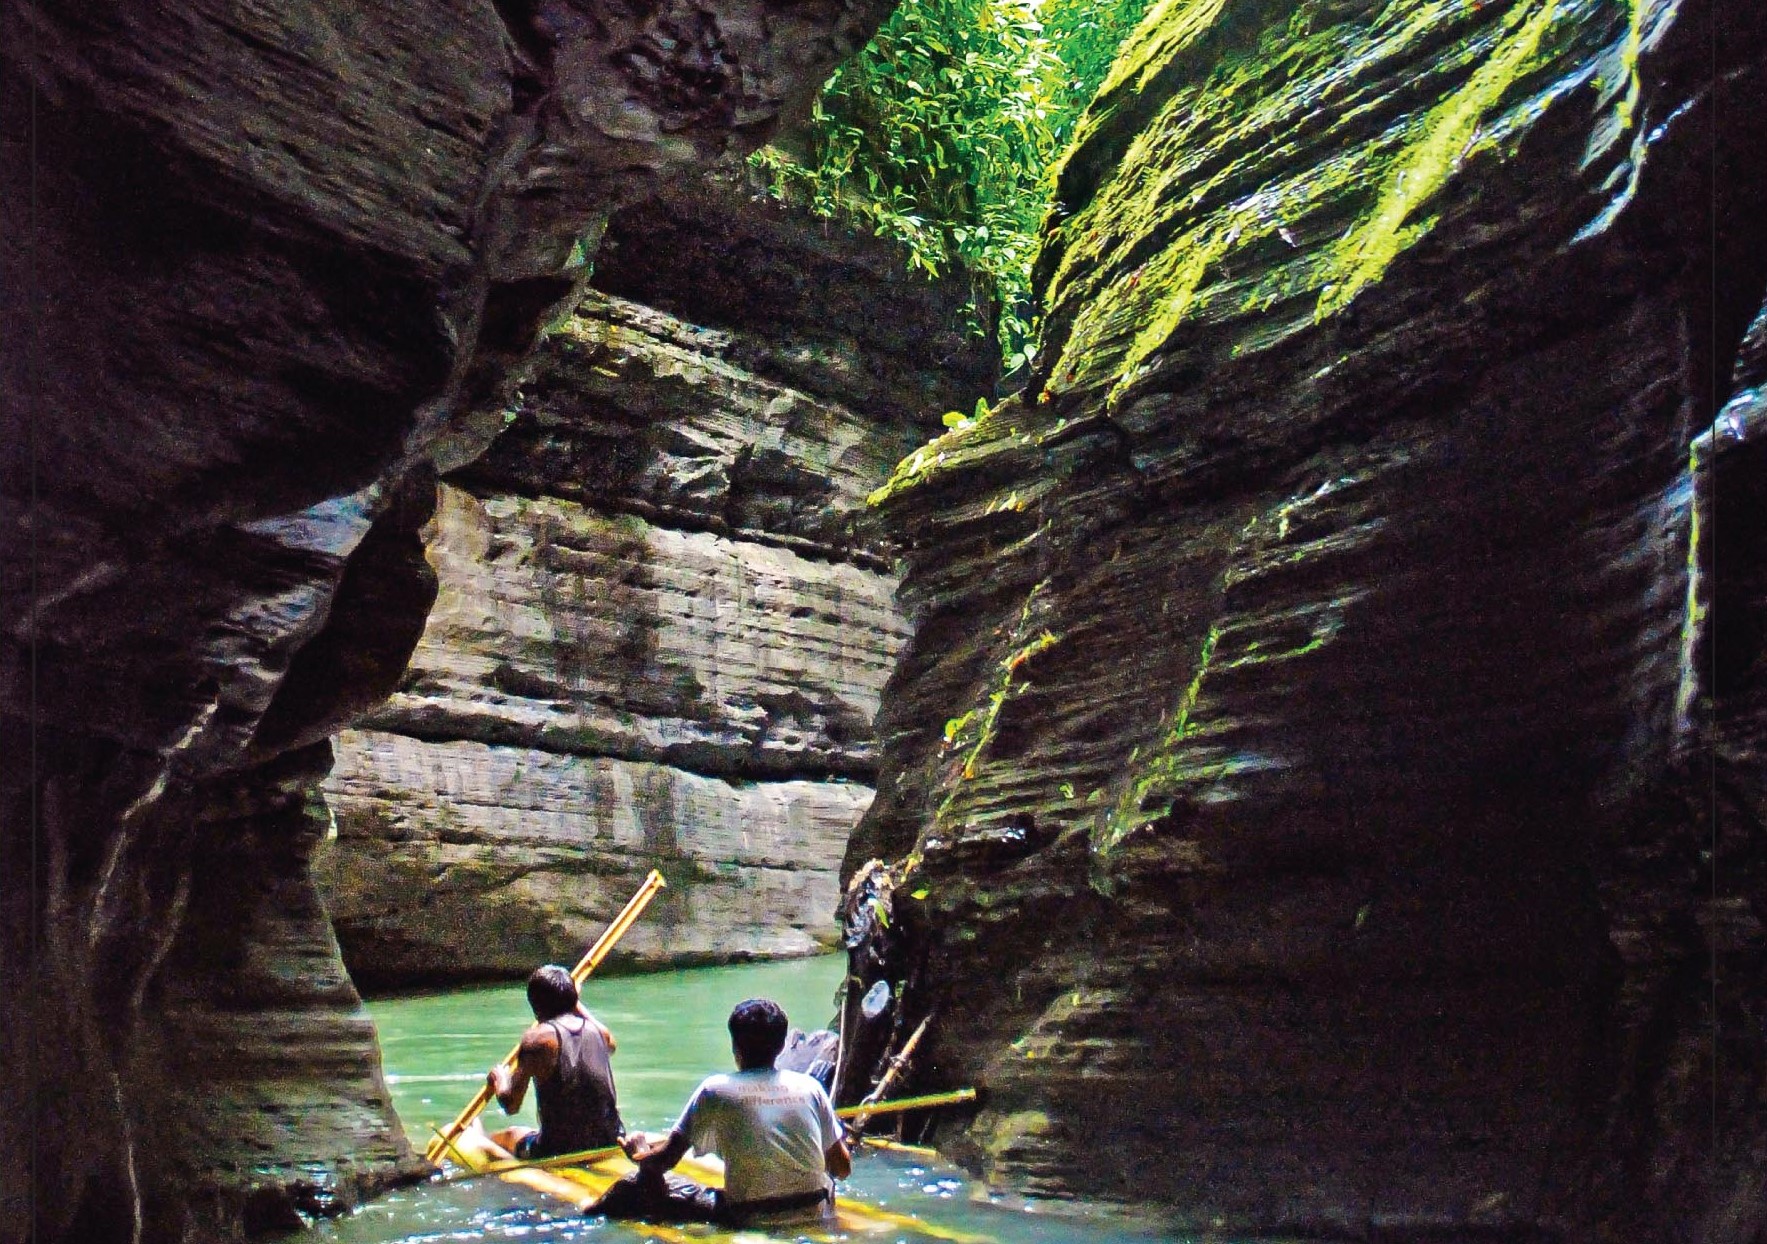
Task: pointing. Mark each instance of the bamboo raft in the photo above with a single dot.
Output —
(579, 1180)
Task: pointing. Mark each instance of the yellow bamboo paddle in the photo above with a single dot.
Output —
(627, 917)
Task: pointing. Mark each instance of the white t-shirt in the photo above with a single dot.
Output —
(771, 1127)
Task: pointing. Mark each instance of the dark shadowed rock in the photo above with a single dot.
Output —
(821, 307)
(1329, 752)
(262, 269)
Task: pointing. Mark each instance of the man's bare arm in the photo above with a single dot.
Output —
(839, 1159)
(658, 1154)
(537, 1057)
(510, 1088)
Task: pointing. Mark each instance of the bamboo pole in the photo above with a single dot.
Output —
(627, 917)
(927, 1101)
(448, 1146)
(862, 1114)
(896, 1146)
(584, 1157)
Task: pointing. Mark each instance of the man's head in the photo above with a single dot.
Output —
(757, 1033)
(552, 992)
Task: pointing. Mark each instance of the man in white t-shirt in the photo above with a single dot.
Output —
(775, 1130)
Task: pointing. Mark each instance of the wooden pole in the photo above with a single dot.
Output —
(448, 1146)
(955, 1097)
(896, 1146)
(627, 917)
(865, 1109)
(585, 1157)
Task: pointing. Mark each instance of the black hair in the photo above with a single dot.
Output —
(551, 992)
(757, 1033)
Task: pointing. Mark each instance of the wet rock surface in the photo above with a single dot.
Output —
(663, 621)
(264, 270)
(1328, 755)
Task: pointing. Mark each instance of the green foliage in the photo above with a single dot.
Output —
(960, 421)
(1129, 814)
(975, 730)
(943, 132)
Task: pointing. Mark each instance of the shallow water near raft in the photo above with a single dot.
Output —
(670, 1030)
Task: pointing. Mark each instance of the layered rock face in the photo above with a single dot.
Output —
(263, 269)
(1325, 784)
(661, 630)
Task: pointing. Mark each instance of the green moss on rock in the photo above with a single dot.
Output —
(1277, 169)
(976, 729)
(1440, 144)
(1159, 765)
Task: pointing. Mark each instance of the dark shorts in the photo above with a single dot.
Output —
(675, 1198)
(529, 1149)
(659, 1198)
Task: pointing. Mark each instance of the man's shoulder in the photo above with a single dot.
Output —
(801, 1082)
(720, 1085)
(540, 1036)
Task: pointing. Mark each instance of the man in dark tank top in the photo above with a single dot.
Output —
(565, 1055)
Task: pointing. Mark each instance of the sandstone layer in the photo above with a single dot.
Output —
(263, 269)
(1325, 785)
(661, 626)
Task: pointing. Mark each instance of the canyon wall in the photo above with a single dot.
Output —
(265, 269)
(661, 626)
(1324, 791)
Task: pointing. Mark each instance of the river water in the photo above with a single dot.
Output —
(670, 1030)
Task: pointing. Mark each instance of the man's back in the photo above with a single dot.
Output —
(775, 1130)
(576, 1098)
(564, 1055)
(772, 1128)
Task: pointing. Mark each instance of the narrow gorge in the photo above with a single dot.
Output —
(663, 617)
(1320, 742)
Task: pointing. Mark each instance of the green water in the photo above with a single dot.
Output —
(670, 1030)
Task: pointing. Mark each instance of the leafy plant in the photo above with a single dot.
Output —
(941, 134)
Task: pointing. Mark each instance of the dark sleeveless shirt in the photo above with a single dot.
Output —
(576, 1102)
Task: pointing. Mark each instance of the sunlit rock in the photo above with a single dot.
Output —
(663, 618)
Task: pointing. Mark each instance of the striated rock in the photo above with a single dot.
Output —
(662, 624)
(599, 697)
(439, 841)
(263, 269)
(574, 630)
(1329, 751)
(808, 304)
(260, 1015)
